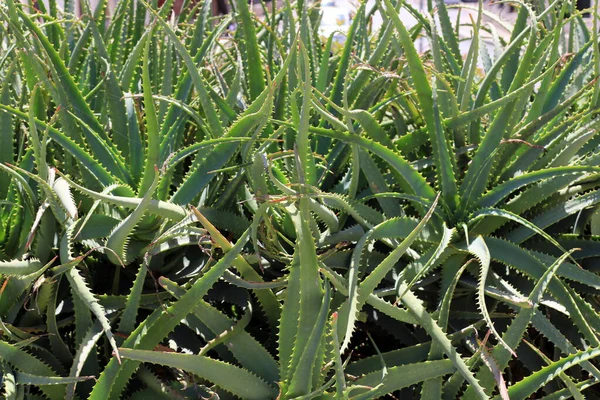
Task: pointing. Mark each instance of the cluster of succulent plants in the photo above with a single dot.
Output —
(236, 207)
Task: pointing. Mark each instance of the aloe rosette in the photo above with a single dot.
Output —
(264, 212)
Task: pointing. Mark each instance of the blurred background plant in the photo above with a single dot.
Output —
(233, 206)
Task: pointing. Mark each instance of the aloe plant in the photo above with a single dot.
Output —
(267, 213)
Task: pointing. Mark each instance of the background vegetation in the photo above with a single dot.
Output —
(189, 209)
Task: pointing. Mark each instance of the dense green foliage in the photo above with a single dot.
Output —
(187, 209)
